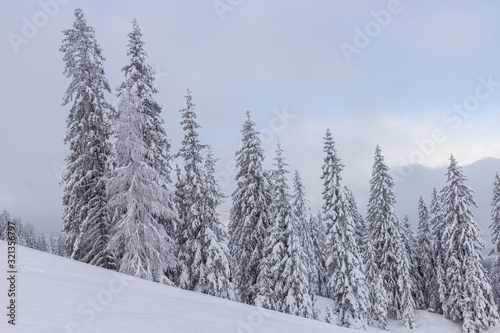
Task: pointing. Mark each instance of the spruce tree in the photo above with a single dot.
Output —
(250, 215)
(389, 249)
(377, 296)
(469, 294)
(495, 232)
(4, 220)
(318, 271)
(425, 254)
(137, 196)
(215, 270)
(189, 190)
(202, 254)
(438, 283)
(410, 242)
(86, 220)
(140, 78)
(285, 278)
(305, 230)
(345, 268)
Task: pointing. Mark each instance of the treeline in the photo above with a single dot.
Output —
(124, 211)
(27, 235)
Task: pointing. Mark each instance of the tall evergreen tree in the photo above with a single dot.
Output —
(285, 278)
(137, 196)
(387, 240)
(425, 254)
(215, 271)
(202, 254)
(86, 219)
(305, 230)
(438, 283)
(4, 220)
(359, 221)
(469, 294)
(318, 275)
(410, 242)
(189, 190)
(377, 296)
(250, 216)
(141, 76)
(345, 268)
(332, 168)
(495, 232)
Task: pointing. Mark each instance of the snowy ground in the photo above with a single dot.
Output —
(60, 295)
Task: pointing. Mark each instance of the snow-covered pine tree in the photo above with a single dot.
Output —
(85, 218)
(345, 268)
(438, 283)
(495, 233)
(4, 219)
(470, 297)
(318, 276)
(386, 235)
(404, 298)
(141, 75)
(215, 272)
(285, 278)
(332, 167)
(358, 220)
(410, 242)
(42, 243)
(30, 236)
(250, 213)
(137, 196)
(425, 256)
(377, 296)
(190, 205)
(305, 230)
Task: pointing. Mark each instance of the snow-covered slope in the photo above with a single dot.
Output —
(60, 295)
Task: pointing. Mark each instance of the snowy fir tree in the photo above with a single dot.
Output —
(425, 256)
(203, 256)
(215, 271)
(85, 218)
(250, 213)
(359, 221)
(137, 196)
(318, 275)
(469, 294)
(413, 253)
(140, 78)
(285, 279)
(4, 220)
(404, 298)
(305, 230)
(495, 233)
(377, 296)
(438, 285)
(387, 240)
(189, 192)
(29, 235)
(332, 167)
(345, 268)
(344, 262)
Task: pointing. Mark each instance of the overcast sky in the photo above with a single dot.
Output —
(419, 78)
